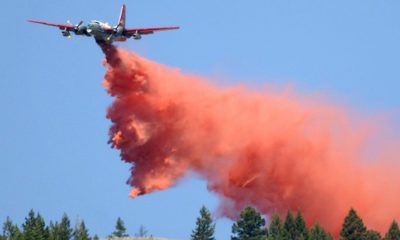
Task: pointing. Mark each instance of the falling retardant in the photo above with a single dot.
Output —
(274, 150)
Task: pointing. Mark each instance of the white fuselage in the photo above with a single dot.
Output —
(97, 30)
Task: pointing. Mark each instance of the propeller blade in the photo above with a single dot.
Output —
(80, 23)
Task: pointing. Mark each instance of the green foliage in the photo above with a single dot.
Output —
(250, 226)
(372, 235)
(10, 230)
(204, 226)
(53, 231)
(275, 230)
(120, 230)
(301, 228)
(393, 232)
(81, 233)
(60, 231)
(318, 233)
(289, 227)
(65, 230)
(34, 227)
(353, 227)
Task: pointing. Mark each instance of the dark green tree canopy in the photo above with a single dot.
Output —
(275, 230)
(372, 235)
(289, 227)
(62, 230)
(393, 232)
(65, 230)
(10, 230)
(81, 233)
(301, 228)
(54, 230)
(120, 230)
(353, 227)
(318, 233)
(250, 226)
(204, 226)
(34, 227)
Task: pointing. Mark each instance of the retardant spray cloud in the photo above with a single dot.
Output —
(269, 149)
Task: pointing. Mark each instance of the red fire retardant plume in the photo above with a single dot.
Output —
(269, 149)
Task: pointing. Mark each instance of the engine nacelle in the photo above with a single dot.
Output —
(66, 33)
(80, 30)
(137, 36)
(119, 30)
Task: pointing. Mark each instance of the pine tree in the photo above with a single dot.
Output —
(393, 232)
(10, 230)
(289, 227)
(353, 227)
(372, 235)
(29, 226)
(60, 231)
(81, 233)
(301, 229)
(54, 230)
(96, 237)
(318, 233)
(34, 227)
(204, 226)
(119, 229)
(275, 230)
(250, 226)
(65, 230)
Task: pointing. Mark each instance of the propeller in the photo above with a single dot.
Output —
(80, 23)
(77, 27)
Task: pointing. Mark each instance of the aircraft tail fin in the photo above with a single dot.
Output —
(121, 20)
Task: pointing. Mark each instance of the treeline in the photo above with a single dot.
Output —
(250, 226)
(35, 228)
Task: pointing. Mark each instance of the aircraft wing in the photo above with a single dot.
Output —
(61, 26)
(131, 31)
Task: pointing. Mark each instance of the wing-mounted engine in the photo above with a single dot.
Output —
(136, 35)
(118, 30)
(79, 29)
(66, 33)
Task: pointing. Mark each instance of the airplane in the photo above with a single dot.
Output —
(103, 32)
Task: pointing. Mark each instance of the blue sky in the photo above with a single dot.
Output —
(53, 148)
